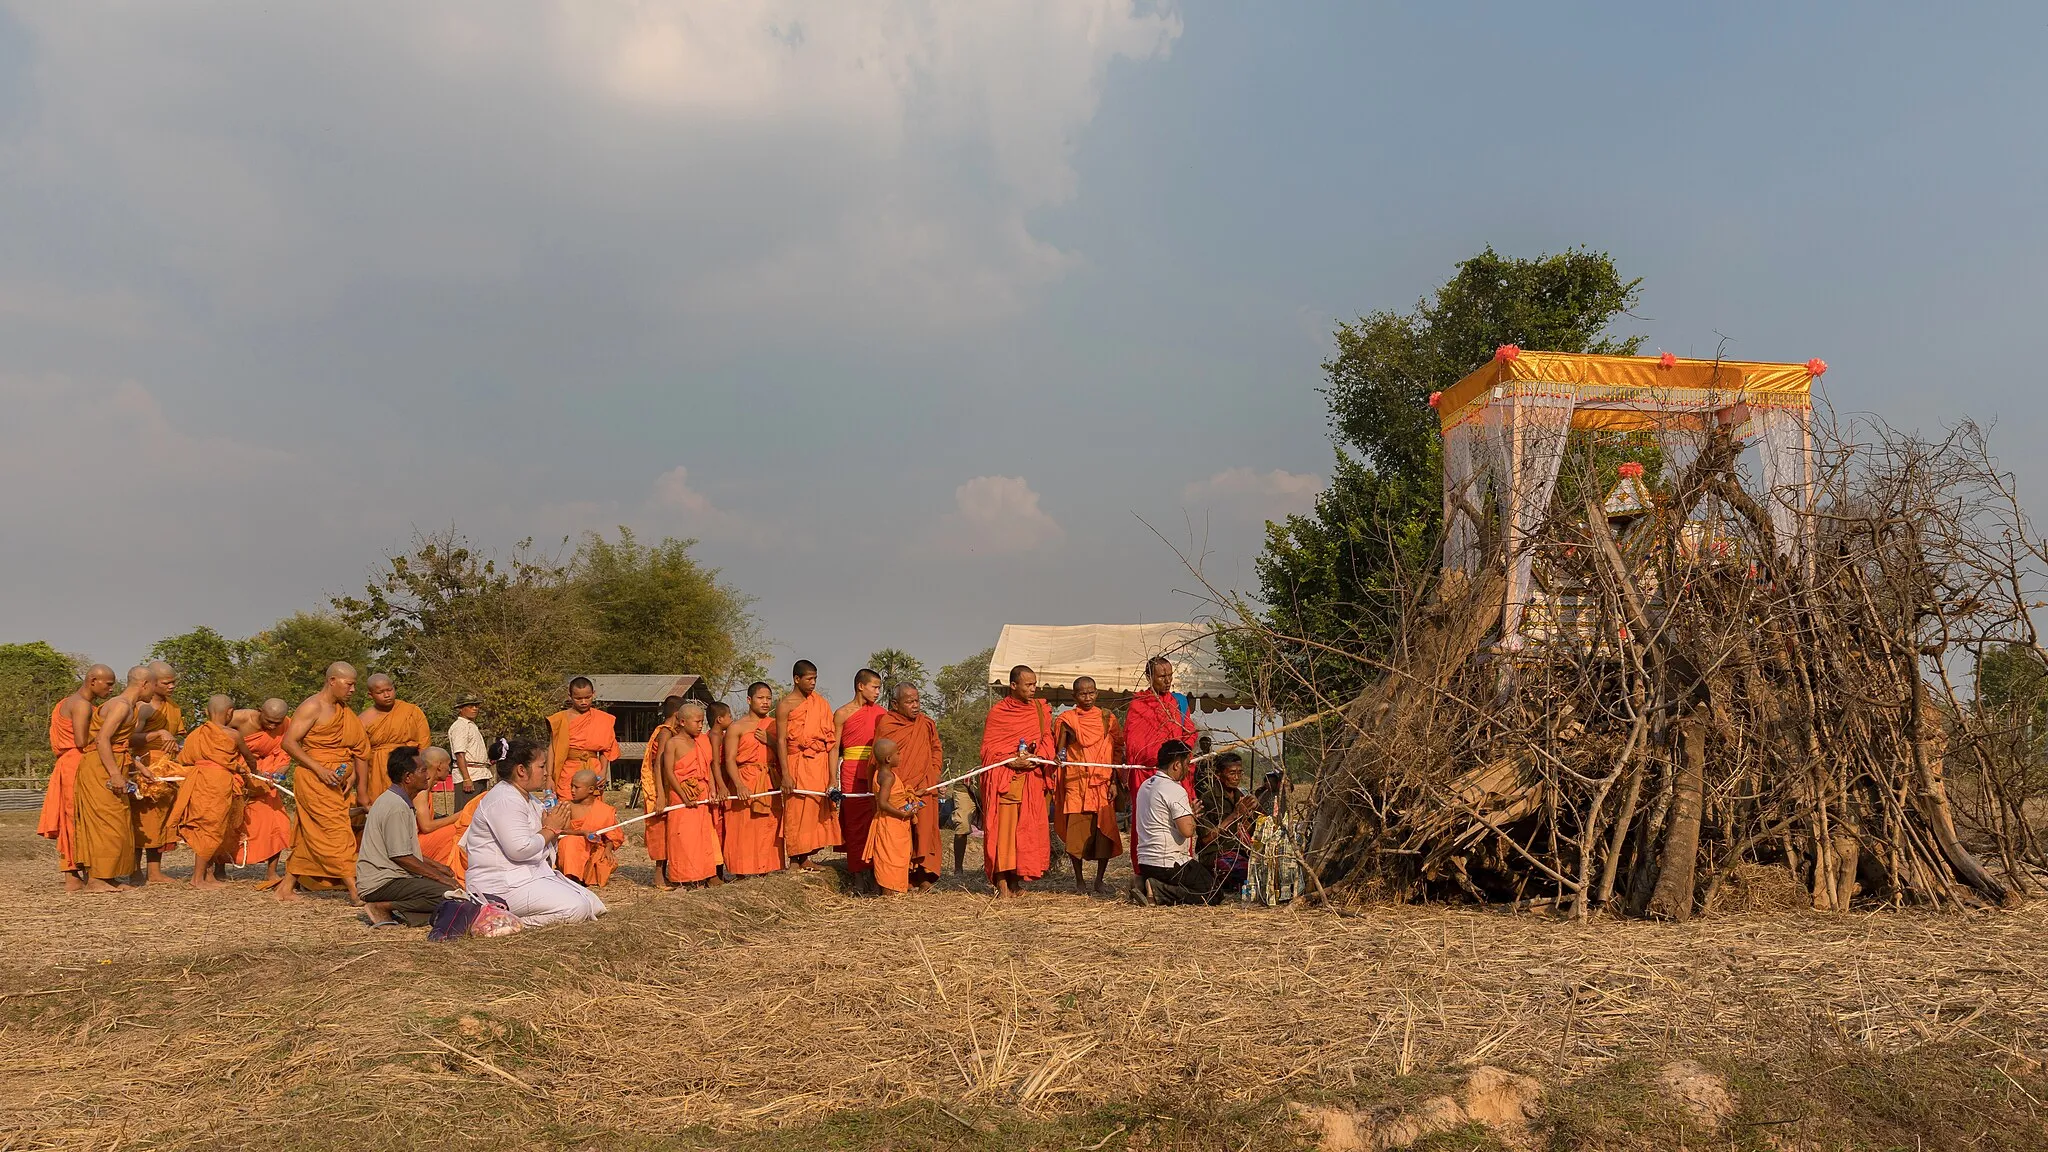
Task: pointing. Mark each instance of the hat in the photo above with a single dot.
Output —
(462, 702)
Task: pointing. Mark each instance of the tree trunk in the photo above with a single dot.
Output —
(1673, 897)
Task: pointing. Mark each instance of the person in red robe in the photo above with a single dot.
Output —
(920, 759)
(693, 849)
(753, 817)
(1091, 743)
(266, 826)
(588, 851)
(810, 743)
(70, 720)
(581, 736)
(856, 727)
(1153, 718)
(1017, 843)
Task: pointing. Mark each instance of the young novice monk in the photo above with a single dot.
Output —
(895, 807)
(584, 858)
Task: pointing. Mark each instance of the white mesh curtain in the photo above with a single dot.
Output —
(1788, 477)
(1531, 440)
(1681, 447)
(1461, 535)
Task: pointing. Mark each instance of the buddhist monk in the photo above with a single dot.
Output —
(1090, 741)
(718, 719)
(854, 724)
(585, 854)
(753, 817)
(1016, 844)
(70, 724)
(434, 829)
(456, 859)
(1154, 717)
(581, 736)
(103, 823)
(266, 826)
(686, 765)
(810, 746)
(654, 829)
(207, 814)
(326, 742)
(896, 807)
(920, 758)
(158, 757)
(388, 723)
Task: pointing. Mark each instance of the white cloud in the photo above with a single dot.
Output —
(999, 514)
(1268, 495)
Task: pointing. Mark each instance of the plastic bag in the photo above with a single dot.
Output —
(491, 920)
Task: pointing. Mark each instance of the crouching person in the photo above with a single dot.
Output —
(1163, 821)
(398, 884)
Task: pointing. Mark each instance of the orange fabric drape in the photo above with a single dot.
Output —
(55, 821)
(654, 829)
(1089, 791)
(152, 807)
(920, 758)
(266, 826)
(405, 725)
(207, 814)
(753, 827)
(694, 852)
(809, 822)
(103, 820)
(579, 740)
(323, 843)
(1013, 802)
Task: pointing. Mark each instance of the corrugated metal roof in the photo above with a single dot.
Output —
(639, 689)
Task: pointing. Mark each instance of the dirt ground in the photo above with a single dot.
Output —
(781, 1013)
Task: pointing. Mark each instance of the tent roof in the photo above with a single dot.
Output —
(1625, 391)
(1115, 655)
(642, 689)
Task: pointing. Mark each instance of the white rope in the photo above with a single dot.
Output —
(940, 786)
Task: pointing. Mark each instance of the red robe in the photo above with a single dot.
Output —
(1152, 720)
(1013, 802)
(857, 774)
(54, 823)
(266, 826)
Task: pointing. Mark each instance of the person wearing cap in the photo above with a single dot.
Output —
(1164, 821)
(472, 776)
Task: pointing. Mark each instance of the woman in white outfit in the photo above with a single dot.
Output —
(511, 845)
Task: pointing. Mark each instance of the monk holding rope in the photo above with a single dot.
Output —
(810, 746)
(1091, 743)
(1017, 840)
(920, 758)
(103, 820)
(158, 757)
(266, 826)
(855, 724)
(654, 829)
(753, 818)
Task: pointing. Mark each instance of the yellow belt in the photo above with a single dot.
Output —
(857, 752)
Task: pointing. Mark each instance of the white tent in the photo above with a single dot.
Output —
(1115, 655)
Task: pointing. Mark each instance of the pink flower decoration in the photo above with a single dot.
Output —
(1667, 360)
(1630, 470)
(1507, 352)
(1434, 397)
(1816, 367)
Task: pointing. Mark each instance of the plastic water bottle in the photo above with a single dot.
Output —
(548, 800)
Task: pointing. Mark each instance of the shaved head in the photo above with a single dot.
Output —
(275, 710)
(161, 669)
(99, 672)
(435, 756)
(885, 750)
(219, 708)
(140, 676)
(584, 778)
(377, 680)
(341, 669)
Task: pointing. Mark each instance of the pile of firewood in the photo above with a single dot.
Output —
(1792, 704)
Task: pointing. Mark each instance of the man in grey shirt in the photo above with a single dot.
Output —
(398, 885)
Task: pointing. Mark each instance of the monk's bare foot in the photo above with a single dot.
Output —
(73, 882)
(99, 888)
(202, 880)
(714, 882)
(287, 889)
(155, 873)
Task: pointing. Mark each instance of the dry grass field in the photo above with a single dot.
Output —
(781, 1014)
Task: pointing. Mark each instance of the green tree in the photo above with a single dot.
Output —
(1332, 581)
(898, 667)
(33, 677)
(207, 663)
(655, 609)
(289, 659)
(959, 702)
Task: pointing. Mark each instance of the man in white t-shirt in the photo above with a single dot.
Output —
(472, 776)
(1163, 823)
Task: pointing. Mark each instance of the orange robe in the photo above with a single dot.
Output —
(889, 838)
(404, 725)
(103, 820)
(753, 827)
(1013, 802)
(579, 740)
(809, 822)
(207, 814)
(1085, 812)
(266, 826)
(323, 842)
(444, 845)
(693, 849)
(920, 758)
(152, 808)
(55, 820)
(578, 858)
(654, 829)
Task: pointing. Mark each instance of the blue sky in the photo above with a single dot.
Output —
(916, 316)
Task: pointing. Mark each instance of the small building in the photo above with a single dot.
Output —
(634, 700)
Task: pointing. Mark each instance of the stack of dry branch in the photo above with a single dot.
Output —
(1708, 696)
